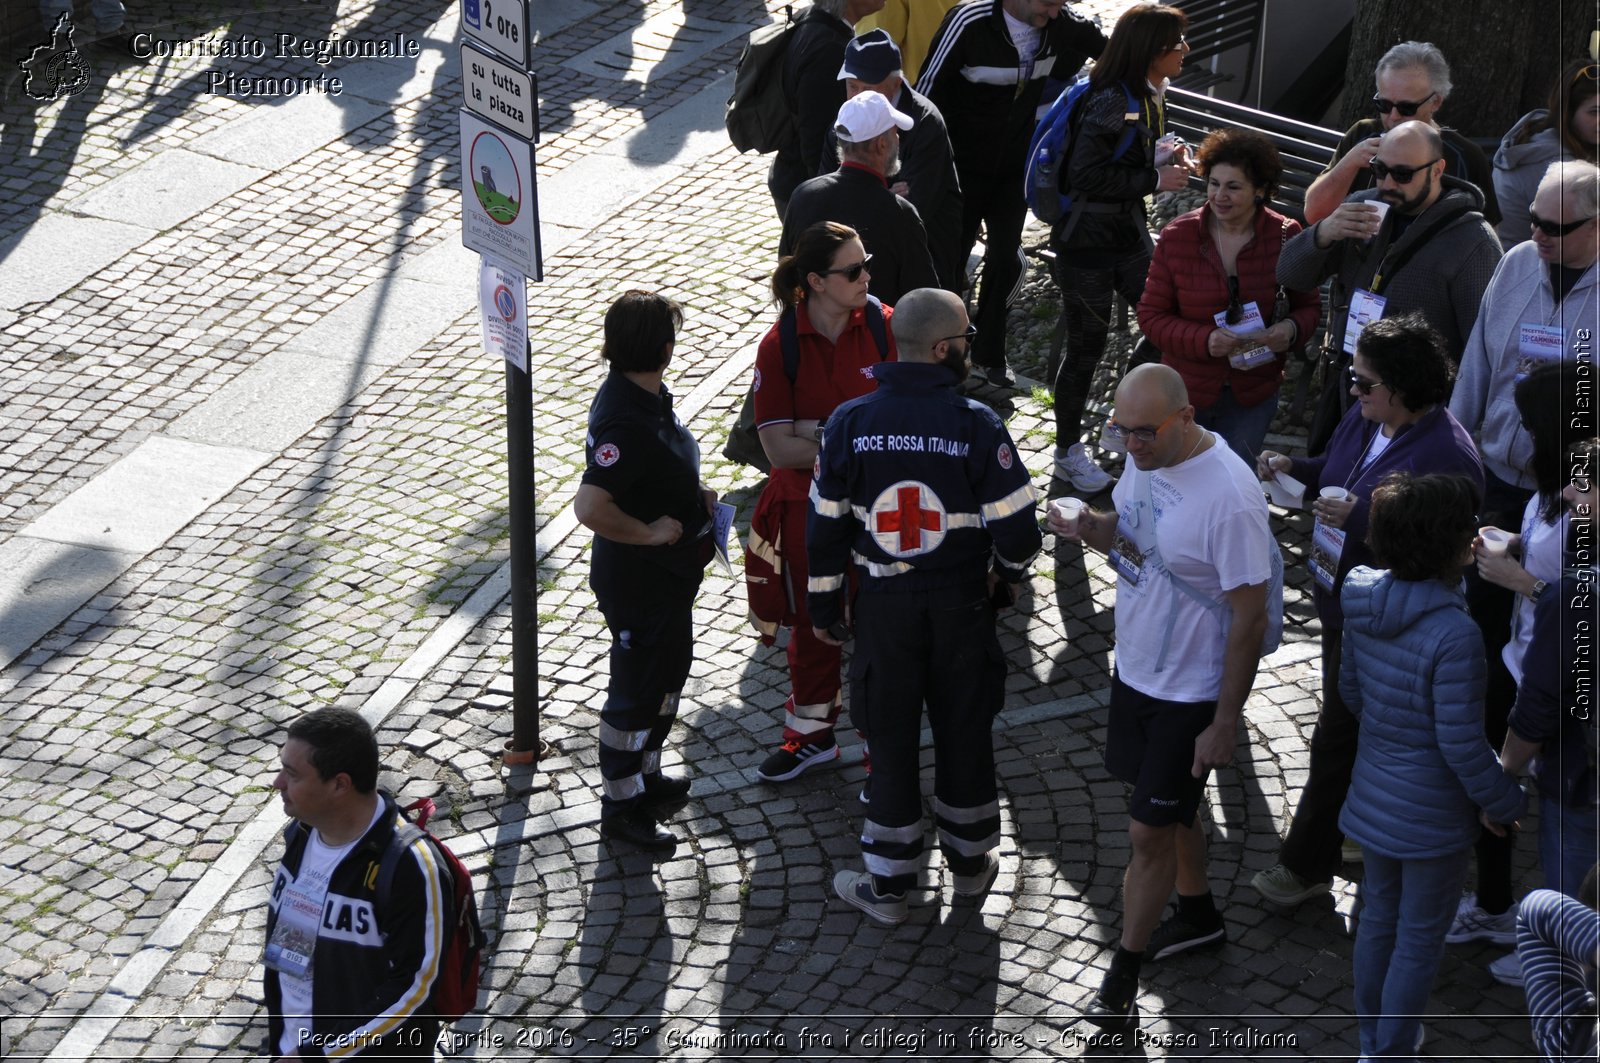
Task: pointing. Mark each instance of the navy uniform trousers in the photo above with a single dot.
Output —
(936, 647)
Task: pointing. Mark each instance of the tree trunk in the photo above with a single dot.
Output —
(1503, 56)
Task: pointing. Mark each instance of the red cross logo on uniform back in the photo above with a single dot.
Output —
(899, 519)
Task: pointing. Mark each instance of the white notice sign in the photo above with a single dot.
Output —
(500, 24)
(503, 313)
(499, 203)
(500, 92)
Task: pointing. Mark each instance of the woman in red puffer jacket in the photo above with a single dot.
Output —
(1212, 302)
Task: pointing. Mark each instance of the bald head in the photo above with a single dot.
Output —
(1153, 386)
(924, 317)
(1419, 139)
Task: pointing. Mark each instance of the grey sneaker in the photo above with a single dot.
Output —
(978, 883)
(1474, 924)
(1283, 887)
(1507, 970)
(1080, 470)
(855, 888)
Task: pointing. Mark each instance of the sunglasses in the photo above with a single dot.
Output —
(1406, 108)
(1402, 174)
(851, 273)
(969, 335)
(1555, 228)
(1361, 383)
(1235, 311)
(1144, 435)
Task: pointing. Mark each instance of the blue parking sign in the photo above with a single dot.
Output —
(469, 11)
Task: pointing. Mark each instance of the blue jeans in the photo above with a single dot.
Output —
(1244, 427)
(1407, 907)
(1567, 844)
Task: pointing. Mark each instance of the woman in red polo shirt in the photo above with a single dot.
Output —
(840, 333)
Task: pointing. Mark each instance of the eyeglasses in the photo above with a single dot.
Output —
(1143, 435)
(851, 273)
(1183, 42)
(1555, 228)
(969, 335)
(1406, 108)
(1362, 384)
(1402, 174)
(1235, 311)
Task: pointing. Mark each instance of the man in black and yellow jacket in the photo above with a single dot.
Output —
(349, 974)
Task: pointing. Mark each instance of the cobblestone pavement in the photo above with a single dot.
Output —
(357, 563)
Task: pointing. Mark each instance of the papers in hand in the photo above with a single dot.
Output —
(1284, 490)
(721, 521)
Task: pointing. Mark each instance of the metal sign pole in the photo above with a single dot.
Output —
(525, 747)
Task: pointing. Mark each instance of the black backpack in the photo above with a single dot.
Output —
(744, 444)
(757, 114)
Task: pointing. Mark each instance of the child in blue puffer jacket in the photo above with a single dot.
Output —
(1413, 671)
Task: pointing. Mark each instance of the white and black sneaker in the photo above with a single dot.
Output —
(796, 756)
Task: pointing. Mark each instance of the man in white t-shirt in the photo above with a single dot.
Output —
(351, 961)
(1190, 524)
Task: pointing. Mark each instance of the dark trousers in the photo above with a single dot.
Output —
(939, 648)
(996, 201)
(1312, 848)
(652, 646)
(1086, 297)
(1491, 608)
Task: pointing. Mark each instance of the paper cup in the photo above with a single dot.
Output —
(1495, 541)
(1333, 494)
(1382, 207)
(1068, 510)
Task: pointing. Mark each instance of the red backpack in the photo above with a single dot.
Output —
(455, 994)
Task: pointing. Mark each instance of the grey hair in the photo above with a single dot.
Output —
(1579, 179)
(1418, 55)
(832, 7)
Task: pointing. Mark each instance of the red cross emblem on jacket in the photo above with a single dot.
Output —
(907, 518)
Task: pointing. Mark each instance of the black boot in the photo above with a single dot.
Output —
(1112, 1007)
(636, 825)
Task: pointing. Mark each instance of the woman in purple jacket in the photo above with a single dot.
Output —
(1400, 380)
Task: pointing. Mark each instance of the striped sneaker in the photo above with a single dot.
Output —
(795, 757)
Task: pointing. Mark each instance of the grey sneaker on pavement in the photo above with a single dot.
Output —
(1474, 924)
(1507, 970)
(978, 883)
(1080, 469)
(1283, 887)
(855, 888)
(1176, 934)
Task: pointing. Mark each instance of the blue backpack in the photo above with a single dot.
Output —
(1047, 153)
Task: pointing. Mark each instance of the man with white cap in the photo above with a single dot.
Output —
(927, 174)
(857, 195)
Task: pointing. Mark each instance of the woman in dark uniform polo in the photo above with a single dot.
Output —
(642, 497)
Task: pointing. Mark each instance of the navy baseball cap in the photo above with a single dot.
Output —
(871, 58)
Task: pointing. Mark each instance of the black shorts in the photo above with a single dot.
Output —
(1150, 745)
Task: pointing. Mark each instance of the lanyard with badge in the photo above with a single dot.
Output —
(1367, 304)
(1126, 557)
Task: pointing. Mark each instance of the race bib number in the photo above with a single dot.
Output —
(1365, 308)
(1249, 322)
(1538, 345)
(1127, 559)
(1327, 546)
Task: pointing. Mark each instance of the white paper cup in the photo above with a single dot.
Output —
(1382, 207)
(1333, 494)
(1495, 541)
(1068, 510)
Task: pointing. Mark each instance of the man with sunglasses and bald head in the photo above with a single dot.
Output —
(1413, 242)
(1413, 82)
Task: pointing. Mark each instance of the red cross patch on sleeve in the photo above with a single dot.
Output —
(756, 384)
(1004, 456)
(606, 455)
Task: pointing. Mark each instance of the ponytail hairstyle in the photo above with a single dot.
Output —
(813, 253)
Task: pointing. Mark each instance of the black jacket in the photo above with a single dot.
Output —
(1105, 182)
(889, 226)
(990, 102)
(373, 972)
(815, 92)
(928, 168)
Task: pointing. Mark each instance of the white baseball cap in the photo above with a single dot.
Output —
(868, 115)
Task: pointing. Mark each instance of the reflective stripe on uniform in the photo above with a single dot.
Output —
(975, 814)
(1018, 500)
(893, 568)
(624, 789)
(827, 507)
(823, 584)
(631, 741)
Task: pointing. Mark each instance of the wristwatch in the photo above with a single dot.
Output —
(1539, 587)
